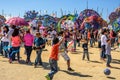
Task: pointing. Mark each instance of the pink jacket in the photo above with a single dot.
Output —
(28, 39)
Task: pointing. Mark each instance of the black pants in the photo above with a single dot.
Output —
(85, 53)
(28, 50)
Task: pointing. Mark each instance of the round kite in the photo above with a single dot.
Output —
(66, 22)
(86, 13)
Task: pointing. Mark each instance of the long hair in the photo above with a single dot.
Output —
(6, 28)
(13, 26)
(28, 31)
(15, 32)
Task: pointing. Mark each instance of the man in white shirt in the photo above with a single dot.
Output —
(103, 44)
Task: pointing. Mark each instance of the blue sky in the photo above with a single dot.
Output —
(16, 7)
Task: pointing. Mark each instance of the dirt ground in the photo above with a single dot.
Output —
(84, 70)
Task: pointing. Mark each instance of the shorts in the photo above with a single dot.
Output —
(65, 56)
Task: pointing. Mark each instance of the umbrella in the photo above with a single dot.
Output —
(17, 21)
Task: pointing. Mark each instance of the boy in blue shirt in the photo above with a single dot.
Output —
(39, 43)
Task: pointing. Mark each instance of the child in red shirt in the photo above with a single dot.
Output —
(53, 58)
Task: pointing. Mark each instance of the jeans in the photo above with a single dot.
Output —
(91, 42)
(103, 51)
(13, 51)
(4, 48)
(1, 48)
(54, 68)
(109, 58)
(28, 50)
(85, 53)
(38, 57)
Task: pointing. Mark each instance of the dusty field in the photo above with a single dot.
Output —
(84, 70)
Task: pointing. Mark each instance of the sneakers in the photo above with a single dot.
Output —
(70, 69)
(47, 77)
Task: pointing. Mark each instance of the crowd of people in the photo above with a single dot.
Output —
(12, 37)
